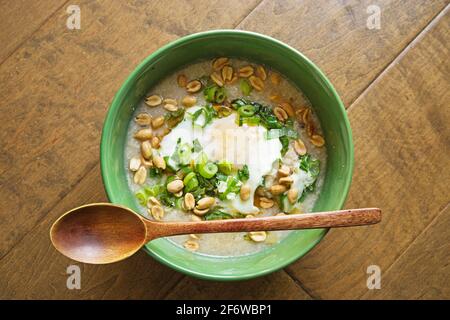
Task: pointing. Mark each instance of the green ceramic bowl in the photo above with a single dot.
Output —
(254, 47)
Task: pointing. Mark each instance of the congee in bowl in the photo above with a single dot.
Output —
(223, 139)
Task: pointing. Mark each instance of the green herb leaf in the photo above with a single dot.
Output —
(310, 165)
(284, 145)
(243, 174)
(217, 214)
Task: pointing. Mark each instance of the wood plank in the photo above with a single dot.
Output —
(35, 270)
(334, 35)
(51, 122)
(422, 272)
(55, 70)
(342, 37)
(402, 143)
(20, 18)
(277, 286)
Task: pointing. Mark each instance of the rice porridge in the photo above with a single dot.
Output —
(225, 139)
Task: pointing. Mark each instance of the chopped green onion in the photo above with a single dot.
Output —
(207, 170)
(190, 182)
(246, 111)
(188, 177)
(191, 185)
(245, 86)
(251, 121)
(237, 103)
(225, 167)
(215, 94)
(220, 95)
(141, 198)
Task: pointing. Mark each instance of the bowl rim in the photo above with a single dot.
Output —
(116, 104)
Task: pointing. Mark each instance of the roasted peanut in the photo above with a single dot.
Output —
(157, 212)
(159, 162)
(170, 107)
(191, 245)
(205, 203)
(140, 175)
(200, 212)
(217, 78)
(256, 83)
(175, 186)
(280, 113)
(153, 101)
(317, 140)
(284, 171)
(277, 189)
(227, 73)
(275, 78)
(157, 122)
(189, 101)
(258, 236)
(299, 147)
(245, 192)
(292, 195)
(219, 63)
(144, 134)
(193, 86)
(245, 72)
(135, 163)
(288, 108)
(182, 80)
(146, 149)
(155, 142)
(189, 201)
(286, 181)
(265, 203)
(261, 72)
(143, 119)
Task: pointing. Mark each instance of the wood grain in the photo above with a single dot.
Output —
(57, 86)
(402, 143)
(334, 35)
(326, 219)
(277, 286)
(52, 120)
(20, 19)
(35, 270)
(422, 272)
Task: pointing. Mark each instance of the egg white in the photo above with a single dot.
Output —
(223, 139)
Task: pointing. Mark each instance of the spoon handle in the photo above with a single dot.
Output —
(327, 219)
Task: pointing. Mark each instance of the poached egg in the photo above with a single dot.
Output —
(224, 140)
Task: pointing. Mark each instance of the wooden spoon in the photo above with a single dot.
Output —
(103, 233)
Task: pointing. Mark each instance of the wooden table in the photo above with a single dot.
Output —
(57, 83)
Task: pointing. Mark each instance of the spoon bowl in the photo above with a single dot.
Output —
(98, 233)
